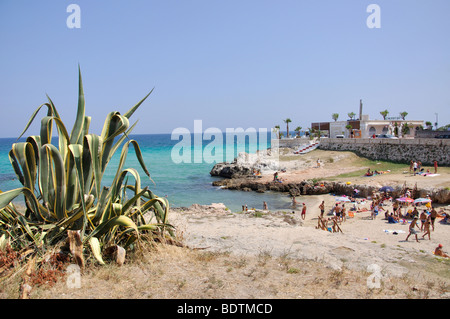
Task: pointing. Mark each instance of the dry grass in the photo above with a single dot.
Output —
(170, 272)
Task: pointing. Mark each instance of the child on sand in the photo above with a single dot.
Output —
(303, 215)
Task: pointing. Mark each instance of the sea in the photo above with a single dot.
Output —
(184, 180)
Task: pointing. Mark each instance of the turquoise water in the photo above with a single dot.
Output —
(183, 183)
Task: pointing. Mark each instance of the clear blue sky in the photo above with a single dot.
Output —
(234, 63)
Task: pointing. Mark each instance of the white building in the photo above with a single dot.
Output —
(363, 127)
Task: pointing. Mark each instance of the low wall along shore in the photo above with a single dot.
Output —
(396, 150)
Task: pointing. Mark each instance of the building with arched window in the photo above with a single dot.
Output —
(363, 127)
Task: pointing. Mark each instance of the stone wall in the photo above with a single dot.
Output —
(395, 150)
(293, 143)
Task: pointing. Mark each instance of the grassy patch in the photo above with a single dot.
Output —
(364, 164)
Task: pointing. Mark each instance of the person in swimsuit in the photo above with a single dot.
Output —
(439, 252)
(423, 219)
(337, 211)
(433, 215)
(427, 228)
(412, 231)
(303, 215)
(322, 208)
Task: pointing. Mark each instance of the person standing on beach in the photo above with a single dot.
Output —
(343, 212)
(435, 167)
(337, 211)
(427, 228)
(423, 219)
(415, 167)
(265, 206)
(433, 215)
(412, 231)
(322, 208)
(303, 215)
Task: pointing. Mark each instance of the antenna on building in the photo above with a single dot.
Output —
(360, 110)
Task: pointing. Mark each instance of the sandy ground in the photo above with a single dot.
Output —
(303, 167)
(362, 243)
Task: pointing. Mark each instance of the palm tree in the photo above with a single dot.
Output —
(335, 116)
(351, 115)
(298, 129)
(403, 115)
(287, 121)
(349, 128)
(277, 130)
(384, 114)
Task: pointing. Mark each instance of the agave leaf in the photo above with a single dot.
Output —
(110, 224)
(23, 154)
(77, 213)
(96, 250)
(86, 125)
(7, 197)
(52, 169)
(161, 214)
(3, 242)
(64, 139)
(92, 146)
(77, 130)
(49, 113)
(132, 201)
(35, 141)
(114, 147)
(23, 222)
(72, 185)
(102, 204)
(130, 112)
(118, 180)
(115, 124)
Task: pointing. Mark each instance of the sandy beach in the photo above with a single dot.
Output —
(363, 242)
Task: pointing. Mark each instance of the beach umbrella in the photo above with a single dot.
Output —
(422, 200)
(342, 199)
(405, 200)
(386, 189)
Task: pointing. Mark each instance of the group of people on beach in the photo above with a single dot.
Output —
(415, 167)
(339, 216)
(426, 217)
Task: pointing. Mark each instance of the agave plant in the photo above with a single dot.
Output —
(63, 190)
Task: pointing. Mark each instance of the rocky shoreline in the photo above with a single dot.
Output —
(238, 177)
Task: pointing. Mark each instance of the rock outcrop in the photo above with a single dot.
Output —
(246, 164)
(308, 187)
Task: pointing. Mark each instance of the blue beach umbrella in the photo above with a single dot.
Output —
(342, 199)
(386, 189)
(422, 200)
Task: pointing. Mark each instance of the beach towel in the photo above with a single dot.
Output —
(395, 232)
